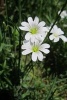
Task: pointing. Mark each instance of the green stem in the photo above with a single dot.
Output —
(19, 11)
(19, 59)
(19, 33)
(6, 8)
(41, 8)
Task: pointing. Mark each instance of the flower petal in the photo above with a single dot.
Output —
(56, 30)
(26, 46)
(40, 56)
(34, 56)
(41, 24)
(25, 41)
(24, 28)
(30, 20)
(33, 39)
(45, 45)
(60, 31)
(42, 36)
(43, 29)
(36, 20)
(46, 51)
(63, 38)
(56, 39)
(51, 37)
(25, 52)
(25, 24)
(28, 36)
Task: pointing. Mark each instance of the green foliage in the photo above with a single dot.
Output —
(34, 87)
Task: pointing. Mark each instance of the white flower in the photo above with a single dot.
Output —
(57, 33)
(35, 29)
(37, 49)
(63, 14)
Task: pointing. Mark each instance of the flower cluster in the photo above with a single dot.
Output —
(57, 34)
(36, 32)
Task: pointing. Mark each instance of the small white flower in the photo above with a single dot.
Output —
(35, 29)
(63, 14)
(37, 49)
(57, 33)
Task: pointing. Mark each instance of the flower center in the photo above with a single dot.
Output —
(33, 30)
(35, 48)
(56, 35)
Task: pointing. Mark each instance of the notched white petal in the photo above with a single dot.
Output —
(51, 37)
(25, 24)
(44, 29)
(30, 21)
(46, 51)
(56, 39)
(63, 38)
(40, 56)
(36, 20)
(45, 45)
(26, 46)
(28, 36)
(24, 28)
(25, 52)
(34, 56)
(41, 24)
